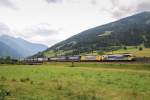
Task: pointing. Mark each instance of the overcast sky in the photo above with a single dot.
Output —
(51, 21)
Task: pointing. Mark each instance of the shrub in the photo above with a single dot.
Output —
(101, 53)
(3, 93)
(31, 82)
(125, 48)
(13, 80)
(3, 78)
(140, 48)
(24, 79)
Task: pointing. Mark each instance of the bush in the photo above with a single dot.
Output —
(31, 82)
(2, 78)
(140, 48)
(13, 80)
(101, 53)
(3, 93)
(24, 79)
(125, 48)
(8, 60)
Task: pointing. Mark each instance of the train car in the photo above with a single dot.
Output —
(61, 58)
(42, 59)
(53, 58)
(45, 59)
(33, 61)
(73, 58)
(118, 57)
(91, 58)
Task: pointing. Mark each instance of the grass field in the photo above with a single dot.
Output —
(144, 53)
(85, 81)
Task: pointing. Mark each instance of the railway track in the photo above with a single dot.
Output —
(104, 62)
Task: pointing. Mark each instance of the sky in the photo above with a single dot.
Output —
(51, 21)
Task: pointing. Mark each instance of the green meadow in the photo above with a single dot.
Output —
(143, 53)
(84, 81)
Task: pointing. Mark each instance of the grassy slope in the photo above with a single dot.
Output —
(144, 53)
(86, 81)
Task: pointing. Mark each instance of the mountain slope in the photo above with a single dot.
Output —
(5, 51)
(131, 31)
(22, 47)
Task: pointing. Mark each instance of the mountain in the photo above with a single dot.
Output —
(18, 47)
(5, 50)
(130, 31)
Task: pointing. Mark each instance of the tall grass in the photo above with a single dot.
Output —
(85, 81)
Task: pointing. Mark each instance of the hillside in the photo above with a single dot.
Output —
(131, 31)
(5, 50)
(143, 53)
(18, 47)
(129, 49)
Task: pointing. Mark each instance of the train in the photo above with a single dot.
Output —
(97, 58)
(86, 58)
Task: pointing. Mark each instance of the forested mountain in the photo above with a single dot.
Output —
(130, 31)
(17, 47)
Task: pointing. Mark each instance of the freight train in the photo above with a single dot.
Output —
(86, 58)
(98, 58)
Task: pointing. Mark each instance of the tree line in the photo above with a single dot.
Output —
(8, 60)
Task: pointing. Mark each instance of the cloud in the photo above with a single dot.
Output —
(4, 29)
(7, 3)
(54, 1)
(143, 6)
(47, 40)
(73, 15)
(42, 29)
(72, 1)
(124, 8)
(121, 8)
(93, 2)
(42, 33)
